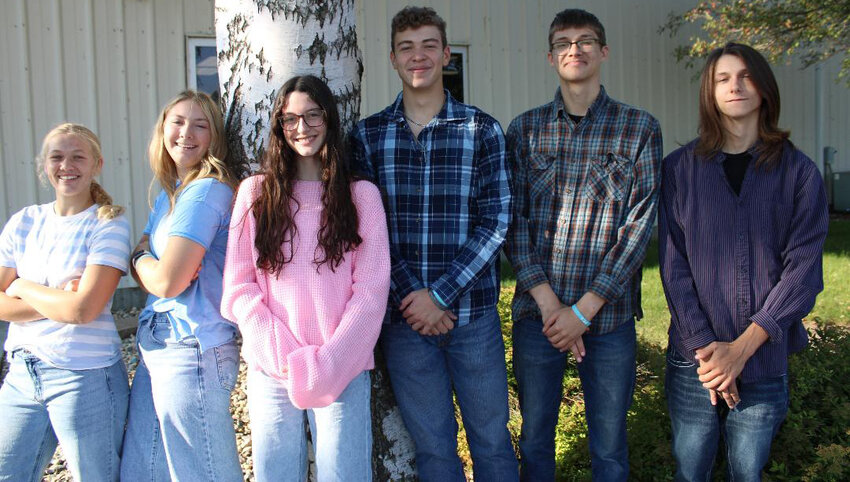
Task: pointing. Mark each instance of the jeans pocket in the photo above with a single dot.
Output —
(159, 329)
(227, 364)
(676, 360)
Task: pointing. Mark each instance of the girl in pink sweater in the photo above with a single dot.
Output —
(306, 279)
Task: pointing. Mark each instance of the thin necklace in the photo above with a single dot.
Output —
(411, 120)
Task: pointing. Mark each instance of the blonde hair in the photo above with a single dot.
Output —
(213, 163)
(107, 210)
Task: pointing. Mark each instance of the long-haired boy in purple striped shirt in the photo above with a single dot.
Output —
(742, 222)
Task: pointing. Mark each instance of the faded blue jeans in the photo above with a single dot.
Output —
(341, 433)
(179, 425)
(607, 379)
(748, 429)
(84, 410)
(424, 371)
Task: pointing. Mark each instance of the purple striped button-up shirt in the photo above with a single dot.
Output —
(729, 260)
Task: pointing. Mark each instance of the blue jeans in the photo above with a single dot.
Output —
(607, 375)
(748, 429)
(179, 426)
(84, 410)
(341, 432)
(424, 369)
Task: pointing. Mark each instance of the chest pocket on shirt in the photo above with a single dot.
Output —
(608, 178)
(541, 175)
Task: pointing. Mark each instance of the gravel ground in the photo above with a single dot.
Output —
(57, 470)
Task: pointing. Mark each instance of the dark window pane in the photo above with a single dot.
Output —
(453, 76)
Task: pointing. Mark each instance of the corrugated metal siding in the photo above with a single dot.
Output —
(112, 64)
(107, 64)
(509, 72)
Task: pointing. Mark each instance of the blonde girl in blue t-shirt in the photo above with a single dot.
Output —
(60, 263)
(179, 425)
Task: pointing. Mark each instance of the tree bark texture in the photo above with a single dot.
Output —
(261, 44)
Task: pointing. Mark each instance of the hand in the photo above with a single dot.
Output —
(730, 396)
(144, 245)
(424, 316)
(72, 285)
(13, 290)
(563, 328)
(443, 326)
(720, 365)
(577, 349)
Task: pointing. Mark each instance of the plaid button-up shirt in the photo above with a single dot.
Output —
(585, 201)
(447, 200)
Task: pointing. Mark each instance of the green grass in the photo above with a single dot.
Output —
(649, 434)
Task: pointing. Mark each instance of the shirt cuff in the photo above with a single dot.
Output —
(764, 320)
(445, 291)
(699, 339)
(607, 287)
(530, 277)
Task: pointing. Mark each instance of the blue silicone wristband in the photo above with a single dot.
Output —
(580, 316)
(435, 297)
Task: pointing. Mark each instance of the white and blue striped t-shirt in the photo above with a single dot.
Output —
(49, 249)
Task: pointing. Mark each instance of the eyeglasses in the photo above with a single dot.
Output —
(313, 118)
(563, 46)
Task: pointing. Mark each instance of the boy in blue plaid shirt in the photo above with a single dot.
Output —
(440, 165)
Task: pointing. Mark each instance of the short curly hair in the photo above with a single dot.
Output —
(415, 17)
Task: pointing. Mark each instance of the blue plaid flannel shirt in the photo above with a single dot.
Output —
(448, 203)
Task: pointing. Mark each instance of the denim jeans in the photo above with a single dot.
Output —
(748, 429)
(424, 369)
(341, 432)
(607, 375)
(179, 425)
(84, 410)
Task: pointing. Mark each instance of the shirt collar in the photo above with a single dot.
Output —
(452, 110)
(754, 151)
(560, 110)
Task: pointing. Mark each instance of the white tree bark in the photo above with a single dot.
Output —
(261, 44)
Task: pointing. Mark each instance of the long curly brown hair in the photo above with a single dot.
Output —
(276, 229)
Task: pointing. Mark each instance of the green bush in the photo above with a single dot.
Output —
(814, 442)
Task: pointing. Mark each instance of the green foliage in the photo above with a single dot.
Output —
(815, 438)
(813, 443)
(814, 30)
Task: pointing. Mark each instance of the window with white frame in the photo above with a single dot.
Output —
(201, 69)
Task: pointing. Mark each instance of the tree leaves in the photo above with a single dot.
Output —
(810, 30)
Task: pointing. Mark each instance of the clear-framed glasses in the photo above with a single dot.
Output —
(564, 46)
(313, 118)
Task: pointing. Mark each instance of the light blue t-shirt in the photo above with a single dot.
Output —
(51, 250)
(201, 214)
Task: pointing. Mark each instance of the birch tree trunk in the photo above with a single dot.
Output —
(261, 44)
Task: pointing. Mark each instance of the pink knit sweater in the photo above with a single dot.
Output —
(315, 331)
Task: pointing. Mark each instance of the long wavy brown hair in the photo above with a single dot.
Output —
(273, 210)
(711, 133)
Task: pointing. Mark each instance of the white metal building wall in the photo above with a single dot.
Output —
(509, 73)
(107, 64)
(112, 64)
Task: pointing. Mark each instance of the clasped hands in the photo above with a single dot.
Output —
(564, 330)
(720, 363)
(424, 316)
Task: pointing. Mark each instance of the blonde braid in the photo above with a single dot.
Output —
(107, 210)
